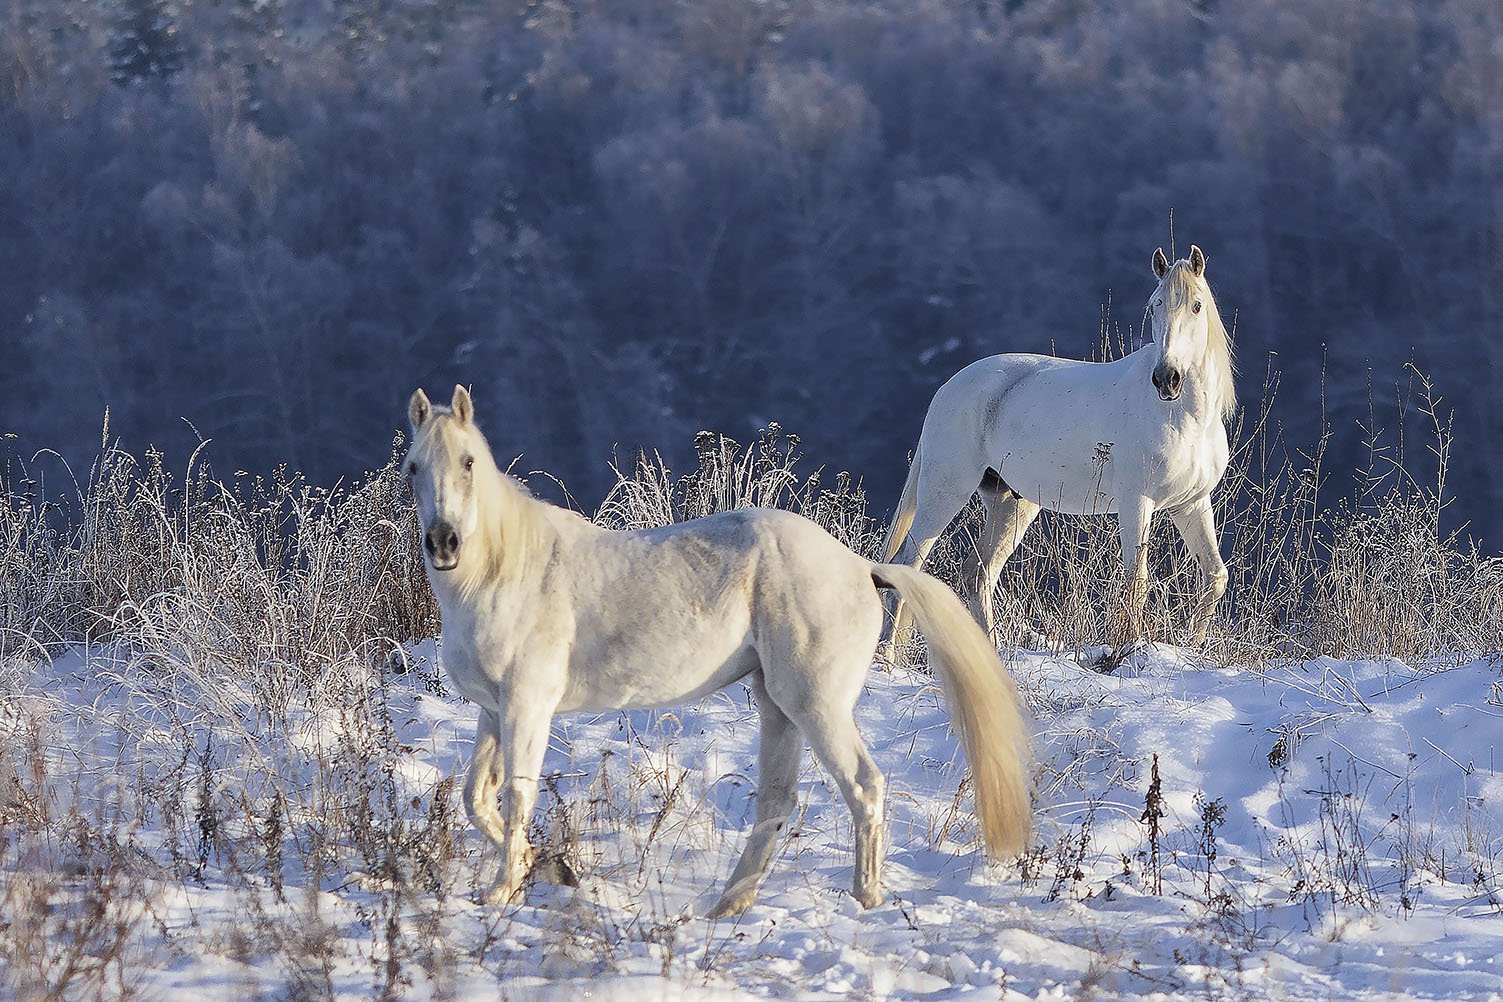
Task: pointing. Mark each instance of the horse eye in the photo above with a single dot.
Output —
(412, 469)
(1196, 307)
(469, 462)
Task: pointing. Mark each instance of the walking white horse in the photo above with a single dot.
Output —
(1134, 436)
(544, 612)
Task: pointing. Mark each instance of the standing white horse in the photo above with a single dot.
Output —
(1134, 436)
(544, 612)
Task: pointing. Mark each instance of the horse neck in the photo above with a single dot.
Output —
(1206, 396)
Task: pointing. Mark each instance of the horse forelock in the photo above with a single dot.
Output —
(1181, 285)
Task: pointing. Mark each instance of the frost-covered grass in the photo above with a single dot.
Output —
(229, 761)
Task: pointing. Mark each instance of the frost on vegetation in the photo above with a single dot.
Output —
(230, 757)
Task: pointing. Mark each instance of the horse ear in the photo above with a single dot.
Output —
(418, 409)
(1160, 263)
(462, 406)
(1197, 261)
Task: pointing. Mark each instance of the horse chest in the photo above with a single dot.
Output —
(486, 652)
(1193, 461)
(466, 673)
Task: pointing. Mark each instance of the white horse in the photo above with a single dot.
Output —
(1134, 436)
(545, 612)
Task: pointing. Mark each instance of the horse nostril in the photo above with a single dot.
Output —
(1167, 380)
(441, 541)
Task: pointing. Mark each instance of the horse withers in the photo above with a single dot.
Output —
(545, 612)
(1139, 435)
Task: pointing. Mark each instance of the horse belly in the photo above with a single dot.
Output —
(1058, 436)
(664, 658)
(1069, 469)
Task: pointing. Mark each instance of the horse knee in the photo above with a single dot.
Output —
(521, 795)
(480, 797)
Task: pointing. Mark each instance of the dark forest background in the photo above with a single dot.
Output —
(624, 221)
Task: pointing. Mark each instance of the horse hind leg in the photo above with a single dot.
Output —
(844, 755)
(902, 623)
(1008, 516)
(816, 684)
(782, 748)
(940, 498)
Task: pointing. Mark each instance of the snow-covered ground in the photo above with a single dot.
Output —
(1330, 829)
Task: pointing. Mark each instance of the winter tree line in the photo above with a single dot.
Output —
(621, 221)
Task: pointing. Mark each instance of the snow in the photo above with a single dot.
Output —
(1358, 856)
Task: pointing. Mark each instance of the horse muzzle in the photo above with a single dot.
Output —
(441, 543)
(1168, 380)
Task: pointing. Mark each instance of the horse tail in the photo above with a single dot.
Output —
(985, 709)
(902, 519)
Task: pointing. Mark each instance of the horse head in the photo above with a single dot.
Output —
(446, 446)
(1180, 310)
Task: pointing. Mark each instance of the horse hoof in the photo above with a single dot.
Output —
(1195, 635)
(729, 905)
(503, 893)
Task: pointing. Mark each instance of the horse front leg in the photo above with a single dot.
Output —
(487, 767)
(523, 740)
(1197, 527)
(1134, 519)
